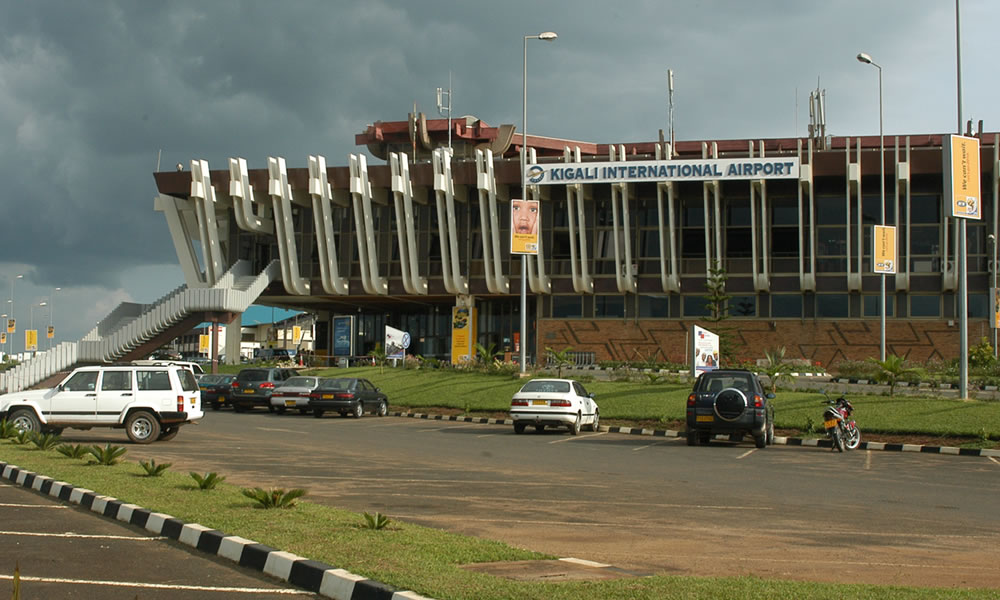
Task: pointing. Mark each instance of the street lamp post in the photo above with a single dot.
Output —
(52, 310)
(548, 36)
(867, 59)
(31, 324)
(993, 292)
(11, 302)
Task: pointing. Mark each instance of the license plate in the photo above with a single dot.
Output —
(204, 389)
(539, 403)
(328, 396)
(289, 402)
(830, 424)
(247, 391)
(704, 418)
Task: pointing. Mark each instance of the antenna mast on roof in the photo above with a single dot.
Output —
(442, 107)
(670, 98)
(817, 116)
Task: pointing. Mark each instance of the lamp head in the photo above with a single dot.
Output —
(548, 36)
(865, 58)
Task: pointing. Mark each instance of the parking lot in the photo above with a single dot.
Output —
(68, 552)
(648, 505)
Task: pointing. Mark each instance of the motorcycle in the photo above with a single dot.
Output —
(839, 425)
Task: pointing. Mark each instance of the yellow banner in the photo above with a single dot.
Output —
(51, 332)
(296, 334)
(995, 294)
(11, 326)
(3, 337)
(31, 340)
(884, 247)
(525, 219)
(204, 341)
(963, 193)
(463, 334)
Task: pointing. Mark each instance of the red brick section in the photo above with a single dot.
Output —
(823, 342)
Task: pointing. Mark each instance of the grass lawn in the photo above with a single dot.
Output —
(665, 401)
(408, 556)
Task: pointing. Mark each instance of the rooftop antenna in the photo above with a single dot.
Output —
(159, 153)
(442, 108)
(817, 115)
(670, 96)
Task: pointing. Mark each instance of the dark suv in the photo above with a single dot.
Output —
(729, 402)
(253, 387)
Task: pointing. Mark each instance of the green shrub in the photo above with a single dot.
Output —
(152, 469)
(108, 455)
(207, 481)
(46, 441)
(73, 451)
(274, 497)
(7, 430)
(22, 437)
(376, 521)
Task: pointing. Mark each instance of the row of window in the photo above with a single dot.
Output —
(780, 306)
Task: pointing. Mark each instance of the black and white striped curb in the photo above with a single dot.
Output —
(681, 372)
(781, 440)
(311, 575)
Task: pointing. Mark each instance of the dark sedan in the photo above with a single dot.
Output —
(348, 395)
(215, 390)
(253, 387)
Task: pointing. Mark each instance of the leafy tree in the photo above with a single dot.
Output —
(776, 369)
(485, 355)
(378, 355)
(560, 359)
(891, 371)
(982, 356)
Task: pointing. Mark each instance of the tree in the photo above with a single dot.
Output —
(776, 369)
(891, 371)
(378, 355)
(717, 303)
(485, 355)
(560, 358)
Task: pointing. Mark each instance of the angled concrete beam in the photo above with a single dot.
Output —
(326, 243)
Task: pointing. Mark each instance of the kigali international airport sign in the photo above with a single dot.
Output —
(720, 169)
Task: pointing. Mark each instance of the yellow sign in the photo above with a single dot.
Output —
(51, 332)
(962, 189)
(463, 334)
(884, 249)
(296, 334)
(204, 341)
(524, 224)
(31, 340)
(3, 337)
(11, 326)
(995, 294)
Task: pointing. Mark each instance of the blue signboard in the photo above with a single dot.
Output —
(343, 336)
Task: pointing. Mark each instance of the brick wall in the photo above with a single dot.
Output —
(826, 342)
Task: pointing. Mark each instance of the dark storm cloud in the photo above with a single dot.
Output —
(91, 91)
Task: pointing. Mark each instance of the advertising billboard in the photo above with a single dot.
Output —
(396, 342)
(343, 336)
(961, 174)
(524, 225)
(704, 350)
(463, 334)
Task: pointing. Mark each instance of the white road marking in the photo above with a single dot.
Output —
(586, 563)
(575, 502)
(486, 435)
(578, 437)
(994, 459)
(5, 505)
(161, 586)
(868, 461)
(745, 454)
(70, 534)
(443, 428)
(647, 446)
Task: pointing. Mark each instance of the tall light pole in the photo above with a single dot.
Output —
(993, 291)
(548, 36)
(11, 302)
(31, 325)
(52, 310)
(867, 59)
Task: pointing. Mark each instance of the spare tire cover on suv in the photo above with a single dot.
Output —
(730, 404)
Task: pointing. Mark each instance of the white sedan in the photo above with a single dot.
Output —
(293, 393)
(554, 402)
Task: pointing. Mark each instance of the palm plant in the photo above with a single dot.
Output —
(46, 441)
(152, 469)
(7, 429)
(776, 369)
(108, 455)
(561, 358)
(274, 497)
(891, 371)
(379, 356)
(207, 481)
(376, 521)
(73, 451)
(485, 355)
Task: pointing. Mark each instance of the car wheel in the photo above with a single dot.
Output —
(760, 440)
(519, 428)
(704, 438)
(574, 427)
(142, 427)
(382, 409)
(359, 409)
(317, 413)
(769, 435)
(25, 419)
(596, 425)
(169, 433)
(692, 437)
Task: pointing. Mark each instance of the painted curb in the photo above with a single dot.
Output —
(310, 575)
(778, 440)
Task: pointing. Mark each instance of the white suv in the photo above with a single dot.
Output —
(149, 402)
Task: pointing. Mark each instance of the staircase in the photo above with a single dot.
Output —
(131, 329)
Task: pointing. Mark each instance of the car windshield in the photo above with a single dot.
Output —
(337, 384)
(716, 382)
(551, 387)
(210, 379)
(253, 375)
(300, 382)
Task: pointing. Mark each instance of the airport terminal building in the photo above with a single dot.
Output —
(628, 237)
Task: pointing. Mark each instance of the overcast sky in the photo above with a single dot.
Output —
(91, 91)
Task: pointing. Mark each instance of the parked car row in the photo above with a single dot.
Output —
(281, 389)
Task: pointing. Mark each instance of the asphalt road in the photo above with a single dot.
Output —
(646, 505)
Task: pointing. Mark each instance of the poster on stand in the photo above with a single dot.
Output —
(704, 350)
(396, 342)
(343, 336)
